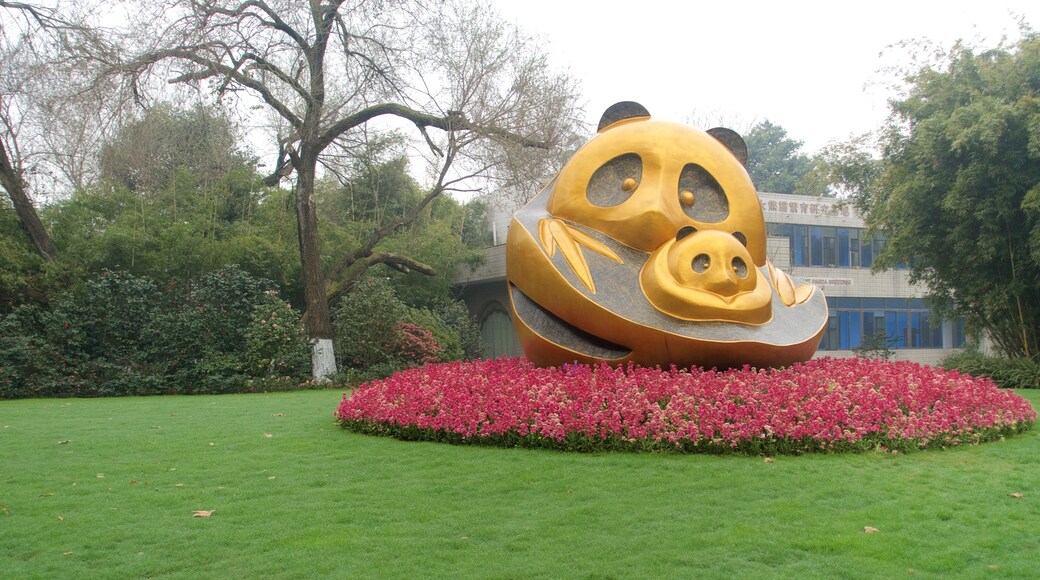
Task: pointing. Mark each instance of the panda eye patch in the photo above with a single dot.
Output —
(615, 181)
(700, 195)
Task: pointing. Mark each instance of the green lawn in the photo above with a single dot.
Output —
(107, 488)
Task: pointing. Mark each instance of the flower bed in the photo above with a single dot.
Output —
(826, 404)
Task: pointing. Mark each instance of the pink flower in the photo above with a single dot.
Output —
(824, 404)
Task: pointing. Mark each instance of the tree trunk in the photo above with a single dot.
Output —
(27, 216)
(316, 317)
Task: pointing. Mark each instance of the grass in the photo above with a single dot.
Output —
(107, 488)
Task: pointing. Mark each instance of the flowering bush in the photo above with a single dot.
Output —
(822, 405)
(417, 344)
(276, 341)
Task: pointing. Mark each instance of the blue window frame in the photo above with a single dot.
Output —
(906, 322)
(844, 255)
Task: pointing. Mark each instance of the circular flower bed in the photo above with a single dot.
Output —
(826, 404)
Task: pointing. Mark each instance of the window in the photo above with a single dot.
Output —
(828, 246)
(799, 245)
(906, 322)
(844, 253)
(816, 245)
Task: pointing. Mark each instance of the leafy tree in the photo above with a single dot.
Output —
(325, 70)
(775, 162)
(476, 222)
(148, 154)
(184, 232)
(845, 169)
(957, 189)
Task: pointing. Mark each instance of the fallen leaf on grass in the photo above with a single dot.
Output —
(870, 530)
(211, 444)
(64, 441)
(66, 553)
(272, 477)
(770, 460)
(100, 476)
(268, 435)
(278, 415)
(61, 518)
(178, 485)
(5, 510)
(1016, 495)
(202, 513)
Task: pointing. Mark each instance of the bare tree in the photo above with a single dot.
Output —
(50, 110)
(17, 21)
(471, 87)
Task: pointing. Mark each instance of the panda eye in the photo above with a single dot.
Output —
(701, 196)
(615, 181)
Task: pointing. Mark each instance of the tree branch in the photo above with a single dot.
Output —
(28, 218)
(358, 268)
(242, 10)
(211, 68)
(366, 250)
(453, 121)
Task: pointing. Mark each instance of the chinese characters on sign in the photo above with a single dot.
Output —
(804, 208)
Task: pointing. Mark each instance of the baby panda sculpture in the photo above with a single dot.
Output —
(649, 247)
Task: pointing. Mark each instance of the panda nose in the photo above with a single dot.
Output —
(715, 261)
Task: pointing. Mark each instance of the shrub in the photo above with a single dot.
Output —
(446, 338)
(416, 345)
(1016, 373)
(119, 334)
(107, 318)
(276, 341)
(365, 322)
(226, 300)
(377, 333)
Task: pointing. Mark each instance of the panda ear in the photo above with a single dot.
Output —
(620, 112)
(733, 141)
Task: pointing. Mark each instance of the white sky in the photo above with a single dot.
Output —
(814, 68)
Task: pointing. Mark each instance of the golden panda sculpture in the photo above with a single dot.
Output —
(649, 247)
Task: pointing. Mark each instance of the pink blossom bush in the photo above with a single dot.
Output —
(417, 345)
(826, 404)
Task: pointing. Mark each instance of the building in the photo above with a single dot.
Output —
(817, 239)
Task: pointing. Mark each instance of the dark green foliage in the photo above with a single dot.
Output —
(365, 322)
(375, 334)
(775, 162)
(1009, 373)
(957, 193)
(276, 341)
(122, 334)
